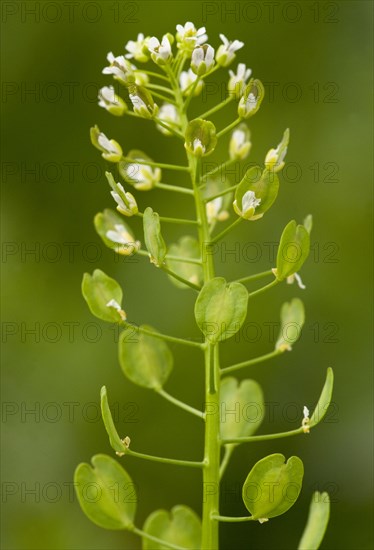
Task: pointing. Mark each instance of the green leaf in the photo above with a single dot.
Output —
(242, 407)
(221, 309)
(103, 296)
(292, 321)
(152, 235)
(114, 439)
(265, 187)
(106, 493)
(147, 361)
(272, 486)
(181, 527)
(200, 137)
(187, 247)
(319, 514)
(115, 233)
(293, 250)
(324, 400)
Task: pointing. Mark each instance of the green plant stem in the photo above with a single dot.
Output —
(255, 277)
(217, 107)
(155, 539)
(265, 437)
(229, 449)
(191, 93)
(225, 231)
(229, 519)
(180, 404)
(263, 289)
(156, 164)
(174, 188)
(212, 444)
(161, 89)
(176, 462)
(252, 362)
(172, 258)
(156, 75)
(229, 127)
(164, 98)
(180, 279)
(165, 337)
(172, 220)
(168, 127)
(219, 168)
(221, 193)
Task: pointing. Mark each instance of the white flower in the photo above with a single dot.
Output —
(202, 59)
(252, 98)
(226, 51)
(275, 158)
(115, 305)
(296, 277)
(186, 79)
(214, 211)
(120, 235)
(120, 68)
(306, 420)
(110, 149)
(240, 144)
(248, 206)
(247, 105)
(160, 52)
(198, 147)
(238, 81)
(138, 49)
(168, 113)
(188, 37)
(111, 102)
(142, 176)
(126, 203)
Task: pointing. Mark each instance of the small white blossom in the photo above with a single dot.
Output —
(296, 277)
(111, 102)
(306, 420)
(240, 144)
(275, 158)
(120, 68)
(188, 36)
(126, 203)
(198, 147)
(202, 59)
(160, 52)
(214, 211)
(226, 51)
(143, 106)
(110, 149)
(120, 235)
(115, 305)
(142, 176)
(186, 79)
(248, 206)
(138, 49)
(168, 113)
(247, 105)
(238, 81)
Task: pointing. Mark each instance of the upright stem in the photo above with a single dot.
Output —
(212, 445)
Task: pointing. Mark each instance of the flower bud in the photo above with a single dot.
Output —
(186, 79)
(142, 176)
(142, 102)
(240, 143)
(238, 81)
(111, 102)
(202, 59)
(111, 150)
(275, 158)
(252, 99)
(138, 49)
(121, 69)
(160, 52)
(226, 51)
(200, 137)
(126, 203)
(168, 114)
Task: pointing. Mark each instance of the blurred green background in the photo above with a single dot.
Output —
(316, 57)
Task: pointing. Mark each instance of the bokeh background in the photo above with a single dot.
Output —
(316, 58)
